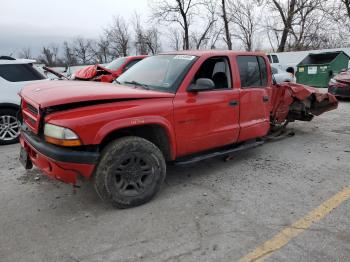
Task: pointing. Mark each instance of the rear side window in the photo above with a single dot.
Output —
(252, 71)
(20, 73)
(249, 71)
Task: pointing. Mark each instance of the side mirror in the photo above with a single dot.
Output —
(202, 84)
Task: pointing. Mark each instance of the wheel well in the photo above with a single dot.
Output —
(153, 133)
(9, 106)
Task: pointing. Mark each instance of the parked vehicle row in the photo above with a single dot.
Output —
(14, 75)
(177, 107)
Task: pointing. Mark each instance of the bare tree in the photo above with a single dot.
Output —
(216, 35)
(152, 40)
(118, 36)
(244, 20)
(225, 19)
(140, 36)
(175, 39)
(103, 50)
(207, 22)
(346, 4)
(82, 50)
(49, 55)
(309, 25)
(287, 12)
(338, 21)
(147, 41)
(26, 53)
(300, 24)
(68, 55)
(176, 11)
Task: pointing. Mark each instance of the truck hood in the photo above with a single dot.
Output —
(52, 93)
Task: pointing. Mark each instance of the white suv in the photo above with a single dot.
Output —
(14, 74)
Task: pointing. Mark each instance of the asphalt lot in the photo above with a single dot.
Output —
(211, 211)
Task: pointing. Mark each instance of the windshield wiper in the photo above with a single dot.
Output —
(137, 84)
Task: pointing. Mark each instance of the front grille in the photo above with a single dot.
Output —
(32, 109)
(31, 116)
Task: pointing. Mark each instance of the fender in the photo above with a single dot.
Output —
(138, 121)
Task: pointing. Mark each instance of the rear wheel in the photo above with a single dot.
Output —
(130, 172)
(10, 127)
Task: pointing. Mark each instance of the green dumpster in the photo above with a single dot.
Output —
(317, 69)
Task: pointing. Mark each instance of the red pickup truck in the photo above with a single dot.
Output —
(177, 107)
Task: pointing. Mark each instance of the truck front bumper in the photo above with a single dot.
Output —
(64, 164)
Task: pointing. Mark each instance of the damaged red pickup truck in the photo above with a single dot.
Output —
(177, 107)
(109, 72)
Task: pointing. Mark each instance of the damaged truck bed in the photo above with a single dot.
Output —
(291, 101)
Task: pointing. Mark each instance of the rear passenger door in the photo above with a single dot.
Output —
(254, 97)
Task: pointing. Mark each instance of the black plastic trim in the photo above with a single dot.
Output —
(215, 153)
(60, 154)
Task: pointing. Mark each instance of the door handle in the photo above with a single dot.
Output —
(233, 103)
(266, 99)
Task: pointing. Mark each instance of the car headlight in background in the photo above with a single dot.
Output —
(332, 81)
(60, 136)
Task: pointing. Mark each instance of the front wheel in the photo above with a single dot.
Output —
(10, 127)
(130, 172)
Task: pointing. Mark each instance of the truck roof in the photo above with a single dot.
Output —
(212, 52)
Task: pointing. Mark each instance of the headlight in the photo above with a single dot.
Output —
(61, 136)
(333, 81)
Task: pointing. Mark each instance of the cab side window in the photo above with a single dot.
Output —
(252, 71)
(216, 69)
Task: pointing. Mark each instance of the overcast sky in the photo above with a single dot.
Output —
(33, 23)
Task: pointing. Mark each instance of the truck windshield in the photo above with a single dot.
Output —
(161, 72)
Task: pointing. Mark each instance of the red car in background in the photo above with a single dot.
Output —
(340, 84)
(109, 72)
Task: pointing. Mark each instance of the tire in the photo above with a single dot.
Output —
(130, 172)
(10, 126)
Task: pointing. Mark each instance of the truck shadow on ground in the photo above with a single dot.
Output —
(65, 198)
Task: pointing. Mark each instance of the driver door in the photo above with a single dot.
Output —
(207, 119)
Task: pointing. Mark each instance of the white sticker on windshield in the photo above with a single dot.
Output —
(185, 57)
